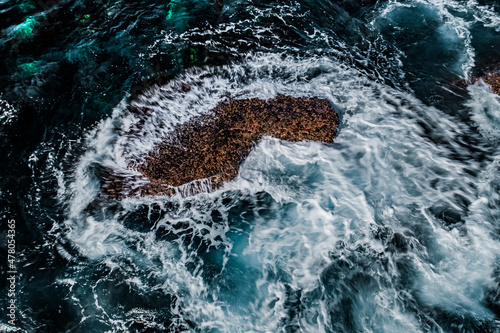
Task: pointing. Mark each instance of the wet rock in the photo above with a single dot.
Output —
(447, 215)
(293, 307)
(398, 243)
(494, 81)
(394, 241)
(491, 78)
(203, 153)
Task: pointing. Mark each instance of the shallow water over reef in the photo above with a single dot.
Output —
(394, 227)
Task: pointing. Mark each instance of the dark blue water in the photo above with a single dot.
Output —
(393, 228)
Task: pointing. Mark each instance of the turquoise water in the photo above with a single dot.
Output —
(392, 228)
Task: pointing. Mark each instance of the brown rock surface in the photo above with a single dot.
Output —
(211, 147)
(494, 81)
(491, 78)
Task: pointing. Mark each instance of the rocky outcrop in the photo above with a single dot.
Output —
(494, 81)
(489, 76)
(206, 151)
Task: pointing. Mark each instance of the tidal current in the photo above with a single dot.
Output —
(395, 227)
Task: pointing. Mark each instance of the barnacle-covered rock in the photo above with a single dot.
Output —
(203, 153)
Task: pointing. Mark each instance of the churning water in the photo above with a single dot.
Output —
(395, 227)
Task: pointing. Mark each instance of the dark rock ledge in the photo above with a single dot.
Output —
(203, 153)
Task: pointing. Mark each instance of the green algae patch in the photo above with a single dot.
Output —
(85, 18)
(26, 29)
(26, 6)
(176, 10)
(194, 55)
(31, 67)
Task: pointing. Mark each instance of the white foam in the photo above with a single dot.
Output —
(377, 173)
(7, 112)
(485, 109)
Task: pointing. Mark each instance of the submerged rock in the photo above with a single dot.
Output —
(203, 153)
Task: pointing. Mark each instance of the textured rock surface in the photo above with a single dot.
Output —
(207, 151)
(494, 81)
(491, 78)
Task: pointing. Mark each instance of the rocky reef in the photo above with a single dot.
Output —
(494, 81)
(490, 74)
(203, 153)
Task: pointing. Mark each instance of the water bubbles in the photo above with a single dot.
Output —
(485, 109)
(374, 232)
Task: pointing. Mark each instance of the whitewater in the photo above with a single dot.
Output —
(393, 227)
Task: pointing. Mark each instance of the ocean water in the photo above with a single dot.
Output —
(394, 227)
